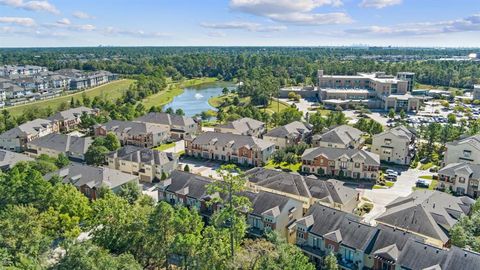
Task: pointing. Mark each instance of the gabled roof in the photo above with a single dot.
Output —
(292, 130)
(330, 191)
(9, 159)
(335, 153)
(343, 134)
(71, 114)
(400, 132)
(142, 155)
(243, 125)
(166, 119)
(453, 169)
(63, 143)
(266, 203)
(133, 128)
(28, 128)
(427, 212)
(187, 184)
(473, 141)
(343, 226)
(93, 177)
(230, 140)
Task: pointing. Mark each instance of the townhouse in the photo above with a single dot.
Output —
(81, 80)
(426, 213)
(307, 189)
(396, 145)
(70, 119)
(240, 149)
(272, 212)
(54, 144)
(89, 179)
(461, 178)
(343, 136)
(324, 230)
(16, 139)
(148, 164)
(9, 159)
(463, 150)
(244, 126)
(351, 163)
(179, 125)
(289, 135)
(134, 133)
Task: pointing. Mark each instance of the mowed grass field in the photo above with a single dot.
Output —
(110, 91)
(274, 106)
(173, 89)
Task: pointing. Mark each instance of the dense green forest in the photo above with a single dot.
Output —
(290, 65)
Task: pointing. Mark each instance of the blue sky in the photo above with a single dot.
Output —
(25, 23)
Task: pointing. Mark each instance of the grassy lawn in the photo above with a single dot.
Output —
(379, 187)
(173, 89)
(284, 166)
(164, 146)
(276, 106)
(110, 91)
(426, 166)
(389, 183)
(429, 177)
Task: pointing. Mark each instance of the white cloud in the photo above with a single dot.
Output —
(31, 5)
(64, 21)
(249, 26)
(295, 12)
(134, 33)
(379, 3)
(468, 24)
(216, 34)
(28, 22)
(82, 15)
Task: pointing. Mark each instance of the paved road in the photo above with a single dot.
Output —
(303, 105)
(177, 148)
(382, 197)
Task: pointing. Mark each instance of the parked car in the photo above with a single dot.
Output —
(391, 177)
(421, 183)
(390, 171)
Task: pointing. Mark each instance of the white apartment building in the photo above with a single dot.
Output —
(464, 150)
(396, 145)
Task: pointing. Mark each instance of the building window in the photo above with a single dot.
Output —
(461, 180)
(387, 141)
(357, 164)
(467, 153)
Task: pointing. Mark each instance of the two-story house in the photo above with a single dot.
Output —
(289, 134)
(16, 139)
(54, 144)
(307, 189)
(71, 118)
(396, 145)
(243, 126)
(343, 136)
(352, 163)
(461, 178)
(179, 126)
(148, 164)
(240, 149)
(9, 159)
(89, 179)
(463, 150)
(134, 133)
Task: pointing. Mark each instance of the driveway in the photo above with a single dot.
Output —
(205, 168)
(381, 197)
(303, 105)
(177, 148)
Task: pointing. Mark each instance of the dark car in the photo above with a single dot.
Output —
(422, 183)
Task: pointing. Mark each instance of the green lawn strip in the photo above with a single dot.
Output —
(284, 166)
(110, 91)
(164, 146)
(426, 166)
(379, 187)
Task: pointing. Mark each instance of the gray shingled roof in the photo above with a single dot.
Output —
(79, 175)
(400, 131)
(9, 159)
(389, 242)
(291, 130)
(63, 143)
(70, 114)
(133, 128)
(266, 203)
(142, 155)
(331, 191)
(188, 184)
(453, 168)
(474, 141)
(426, 212)
(243, 125)
(335, 153)
(166, 119)
(346, 227)
(30, 127)
(230, 140)
(343, 134)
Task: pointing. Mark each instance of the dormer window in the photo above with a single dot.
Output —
(387, 141)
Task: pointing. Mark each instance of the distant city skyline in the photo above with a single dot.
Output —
(402, 23)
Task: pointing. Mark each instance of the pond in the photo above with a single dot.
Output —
(194, 100)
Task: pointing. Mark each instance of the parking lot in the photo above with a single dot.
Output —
(205, 168)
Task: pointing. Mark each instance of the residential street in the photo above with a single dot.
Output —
(381, 197)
